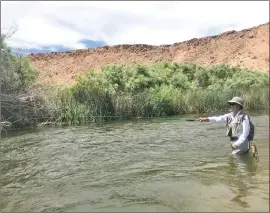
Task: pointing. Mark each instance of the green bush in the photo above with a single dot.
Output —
(18, 105)
(163, 89)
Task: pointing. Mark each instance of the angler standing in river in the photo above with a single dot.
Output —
(240, 129)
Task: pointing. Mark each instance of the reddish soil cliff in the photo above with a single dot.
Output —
(248, 48)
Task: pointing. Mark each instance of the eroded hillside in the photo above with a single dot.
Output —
(248, 48)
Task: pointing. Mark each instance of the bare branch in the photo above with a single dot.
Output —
(8, 32)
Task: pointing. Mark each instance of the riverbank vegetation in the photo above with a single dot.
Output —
(20, 106)
(126, 91)
(161, 89)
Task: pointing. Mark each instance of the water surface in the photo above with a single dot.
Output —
(147, 165)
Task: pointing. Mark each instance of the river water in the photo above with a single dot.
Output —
(146, 165)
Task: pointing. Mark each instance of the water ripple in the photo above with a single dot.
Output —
(140, 166)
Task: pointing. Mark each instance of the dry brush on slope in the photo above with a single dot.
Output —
(247, 48)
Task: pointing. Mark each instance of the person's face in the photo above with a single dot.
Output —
(234, 107)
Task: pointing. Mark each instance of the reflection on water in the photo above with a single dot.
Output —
(242, 168)
(162, 165)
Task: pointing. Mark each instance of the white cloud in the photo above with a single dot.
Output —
(127, 22)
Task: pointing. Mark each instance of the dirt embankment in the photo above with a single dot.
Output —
(248, 48)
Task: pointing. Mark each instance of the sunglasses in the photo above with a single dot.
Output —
(232, 104)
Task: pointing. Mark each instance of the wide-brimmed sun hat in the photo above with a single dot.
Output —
(236, 100)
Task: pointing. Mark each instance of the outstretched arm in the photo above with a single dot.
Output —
(220, 119)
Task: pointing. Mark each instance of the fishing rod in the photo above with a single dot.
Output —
(169, 118)
(141, 117)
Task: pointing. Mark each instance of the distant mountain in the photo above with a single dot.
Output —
(247, 48)
(62, 48)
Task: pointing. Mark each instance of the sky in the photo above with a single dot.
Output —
(54, 26)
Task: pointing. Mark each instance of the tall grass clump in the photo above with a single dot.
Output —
(87, 101)
(161, 89)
